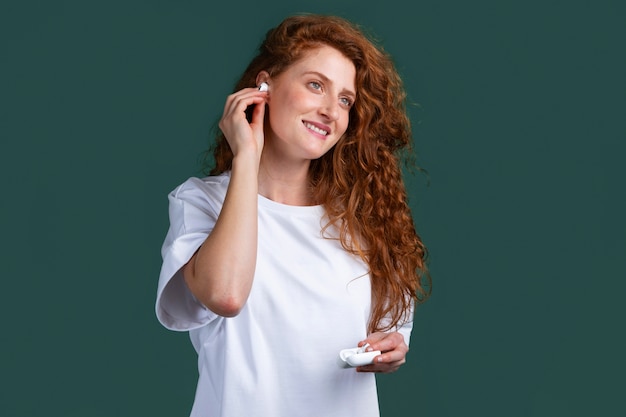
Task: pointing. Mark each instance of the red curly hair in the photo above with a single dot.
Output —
(359, 181)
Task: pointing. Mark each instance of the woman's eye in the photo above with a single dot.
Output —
(315, 85)
(346, 102)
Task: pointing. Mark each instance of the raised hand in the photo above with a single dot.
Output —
(244, 136)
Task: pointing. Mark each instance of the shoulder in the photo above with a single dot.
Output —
(207, 185)
(197, 200)
(195, 190)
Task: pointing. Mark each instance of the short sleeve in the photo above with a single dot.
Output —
(193, 210)
(405, 326)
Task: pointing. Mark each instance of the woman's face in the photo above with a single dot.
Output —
(309, 104)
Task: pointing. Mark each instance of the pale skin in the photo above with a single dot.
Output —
(308, 112)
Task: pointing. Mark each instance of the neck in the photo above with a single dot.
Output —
(285, 183)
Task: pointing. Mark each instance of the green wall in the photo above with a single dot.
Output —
(106, 106)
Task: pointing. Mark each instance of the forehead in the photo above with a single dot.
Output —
(329, 62)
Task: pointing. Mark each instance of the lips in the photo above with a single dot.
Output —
(317, 128)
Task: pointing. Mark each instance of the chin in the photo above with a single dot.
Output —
(316, 154)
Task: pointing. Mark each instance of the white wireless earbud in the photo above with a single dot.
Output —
(264, 87)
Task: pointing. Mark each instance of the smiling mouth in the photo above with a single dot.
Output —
(315, 129)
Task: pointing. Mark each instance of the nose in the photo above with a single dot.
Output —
(329, 108)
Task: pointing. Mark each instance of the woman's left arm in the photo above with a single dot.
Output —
(393, 348)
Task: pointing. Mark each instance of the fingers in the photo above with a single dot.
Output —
(383, 368)
(385, 342)
(258, 113)
(238, 102)
(240, 133)
(393, 349)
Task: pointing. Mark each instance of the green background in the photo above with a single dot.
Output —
(519, 121)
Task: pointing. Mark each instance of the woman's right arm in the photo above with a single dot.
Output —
(221, 272)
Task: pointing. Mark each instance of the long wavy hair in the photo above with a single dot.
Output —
(359, 181)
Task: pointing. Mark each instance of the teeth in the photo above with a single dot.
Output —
(316, 129)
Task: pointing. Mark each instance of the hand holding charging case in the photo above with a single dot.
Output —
(357, 357)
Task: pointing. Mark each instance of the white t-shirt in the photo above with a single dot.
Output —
(309, 299)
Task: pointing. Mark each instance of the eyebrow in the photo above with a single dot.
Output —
(328, 80)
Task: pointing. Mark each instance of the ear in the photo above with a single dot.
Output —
(262, 77)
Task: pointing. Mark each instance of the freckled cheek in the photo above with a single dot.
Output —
(301, 102)
(343, 124)
(282, 107)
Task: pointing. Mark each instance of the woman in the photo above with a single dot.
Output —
(300, 243)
